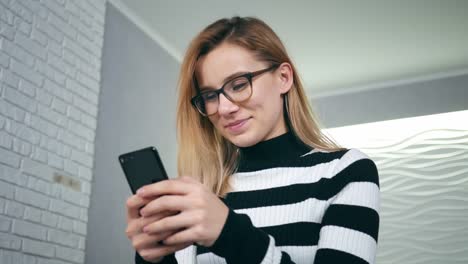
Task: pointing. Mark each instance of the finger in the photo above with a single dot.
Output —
(165, 203)
(184, 236)
(134, 203)
(142, 240)
(170, 223)
(160, 251)
(150, 219)
(135, 226)
(172, 186)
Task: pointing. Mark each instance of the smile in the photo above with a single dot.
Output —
(237, 127)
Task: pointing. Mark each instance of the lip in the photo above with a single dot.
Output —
(236, 126)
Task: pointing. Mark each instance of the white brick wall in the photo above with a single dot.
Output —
(50, 59)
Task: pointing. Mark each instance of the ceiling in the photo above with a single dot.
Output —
(337, 46)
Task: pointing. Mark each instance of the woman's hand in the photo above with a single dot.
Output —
(148, 245)
(202, 214)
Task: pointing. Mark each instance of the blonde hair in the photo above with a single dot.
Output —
(202, 152)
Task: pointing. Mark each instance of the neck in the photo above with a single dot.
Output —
(272, 152)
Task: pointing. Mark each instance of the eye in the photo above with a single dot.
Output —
(209, 96)
(239, 84)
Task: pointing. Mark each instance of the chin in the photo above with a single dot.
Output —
(243, 140)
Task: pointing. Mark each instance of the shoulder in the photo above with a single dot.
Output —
(349, 164)
(355, 165)
(350, 156)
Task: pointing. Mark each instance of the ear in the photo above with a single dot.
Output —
(286, 77)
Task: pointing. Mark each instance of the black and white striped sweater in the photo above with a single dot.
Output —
(294, 204)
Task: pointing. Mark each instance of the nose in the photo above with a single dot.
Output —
(225, 106)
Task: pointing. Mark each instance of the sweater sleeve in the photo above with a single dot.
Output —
(169, 259)
(241, 242)
(350, 225)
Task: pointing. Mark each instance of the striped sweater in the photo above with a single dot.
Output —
(294, 204)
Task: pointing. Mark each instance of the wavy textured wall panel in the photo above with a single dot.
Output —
(423, 169)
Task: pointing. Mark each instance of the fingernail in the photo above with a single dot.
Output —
(141, 191)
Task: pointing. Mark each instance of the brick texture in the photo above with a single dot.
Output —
(50, 56)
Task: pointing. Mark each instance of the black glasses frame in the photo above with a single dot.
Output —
(248, 75)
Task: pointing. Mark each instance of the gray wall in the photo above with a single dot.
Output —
(394, 101)
(137, 109)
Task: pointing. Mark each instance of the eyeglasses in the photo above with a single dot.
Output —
(236, 90)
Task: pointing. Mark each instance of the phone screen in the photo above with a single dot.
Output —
(142, 167)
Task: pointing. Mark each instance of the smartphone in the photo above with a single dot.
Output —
(142, 167)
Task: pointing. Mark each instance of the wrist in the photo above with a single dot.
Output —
(240, 239)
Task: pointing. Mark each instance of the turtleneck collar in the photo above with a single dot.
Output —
(272, 152)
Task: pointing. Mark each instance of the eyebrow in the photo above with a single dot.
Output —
(231, 76)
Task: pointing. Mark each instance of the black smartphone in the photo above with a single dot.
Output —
(142, 167)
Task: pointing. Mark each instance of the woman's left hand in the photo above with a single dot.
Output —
(202, 214)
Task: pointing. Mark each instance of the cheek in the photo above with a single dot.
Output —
(216, 122)
(214, 119)
(266, 102)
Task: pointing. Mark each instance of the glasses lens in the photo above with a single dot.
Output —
(207, 103)
(199, 104)
(238, 89)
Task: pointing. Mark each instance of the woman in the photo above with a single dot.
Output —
(261, 183)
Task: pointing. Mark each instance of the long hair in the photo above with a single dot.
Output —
(202, 151)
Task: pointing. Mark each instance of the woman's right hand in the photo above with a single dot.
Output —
(147, 246)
